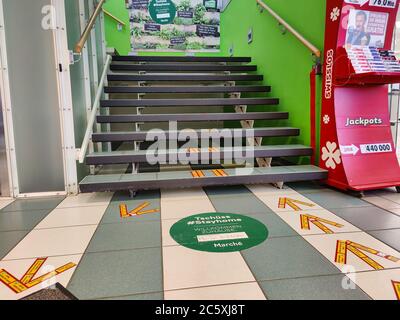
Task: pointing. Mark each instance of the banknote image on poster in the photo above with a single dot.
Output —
(174, 25)
(366, 28)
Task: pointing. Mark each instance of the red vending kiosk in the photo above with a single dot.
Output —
(356, 140)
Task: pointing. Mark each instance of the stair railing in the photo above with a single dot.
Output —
(316, 52)
(109, 14)
(95, 108)
(85, 35)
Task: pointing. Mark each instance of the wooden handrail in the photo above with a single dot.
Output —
(114, 17)
(287, 26)
(85, 35)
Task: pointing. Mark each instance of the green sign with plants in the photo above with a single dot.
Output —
(174, 25)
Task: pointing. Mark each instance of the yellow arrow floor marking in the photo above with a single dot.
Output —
(292, 203)
(306, 220)
(342, 247)
(26, 282)
(124, 212)
(396, 286)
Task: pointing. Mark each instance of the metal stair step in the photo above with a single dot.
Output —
(180, 67)
(186, 179)
(192, 117)
(180, 59)
(187, 89)
(184, 77)
(172, 135)
(187, 102)
(197, 154)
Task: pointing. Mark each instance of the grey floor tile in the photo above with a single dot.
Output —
(275, 225)
(390, 237)
(306, 186)
(368, 218)
(21, 220)
(110, 237)
(288, 257)
(33, 204)
(112, 214)
(236, 199)
(334, 199)
(9, 240)
(313, 288)
(145, 296)
(117, 273)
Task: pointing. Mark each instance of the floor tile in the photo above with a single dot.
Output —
(392, 196)
(117, 273)
(109, 237)
(382, 203)
(395, 211)
(313, 288)
(237, 199)
(335, 199)
(4, 202)
(21, 220)
(290, 257)
(182, 194)
(19, 267)
(186, 268)
(113, 215)
(272, 200)
(379, 284)
(306, 186)
(174, 209)
(68, 217)
(327, 245)
(9, 240)
(87, 200)
(239, 291)
(390, 237)
(53, 242)
(33, 204)
(267, 189)
(145, 296)
(369, 218)
(294, 219)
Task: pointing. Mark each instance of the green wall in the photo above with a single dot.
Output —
(281, 58)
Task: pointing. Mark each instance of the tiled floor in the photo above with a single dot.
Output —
(322, 244)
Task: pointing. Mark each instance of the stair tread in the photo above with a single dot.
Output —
(188, 102)
(158, 180)
(186, 89)
(180, 59)
(190, 117)
(182, 67)
(143, 152)
(184, 77)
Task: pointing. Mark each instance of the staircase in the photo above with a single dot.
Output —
(144, 93)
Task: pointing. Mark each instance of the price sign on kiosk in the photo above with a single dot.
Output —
(356, 140)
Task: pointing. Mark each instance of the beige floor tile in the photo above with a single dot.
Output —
(53, 242)
(87, 200)
(327, 245)
(4, 202)
(379, 285)
(294, 220)
(186, 268)
(382, 203)
(395, 197)
(19, 267)
(272, 200)
(197, 202)
(395, 211)
(182, 194)
(239, 291)
(78, 216)
(166, 237)
(268, 189)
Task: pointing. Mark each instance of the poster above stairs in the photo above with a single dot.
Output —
(175, 25)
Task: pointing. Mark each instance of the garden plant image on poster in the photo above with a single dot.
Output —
(174, 25)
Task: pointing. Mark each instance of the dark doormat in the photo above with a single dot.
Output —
(56, 292)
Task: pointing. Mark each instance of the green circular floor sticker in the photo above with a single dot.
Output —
(219, 232)
(162, 11)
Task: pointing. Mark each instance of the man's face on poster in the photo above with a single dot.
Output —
(361, 20)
